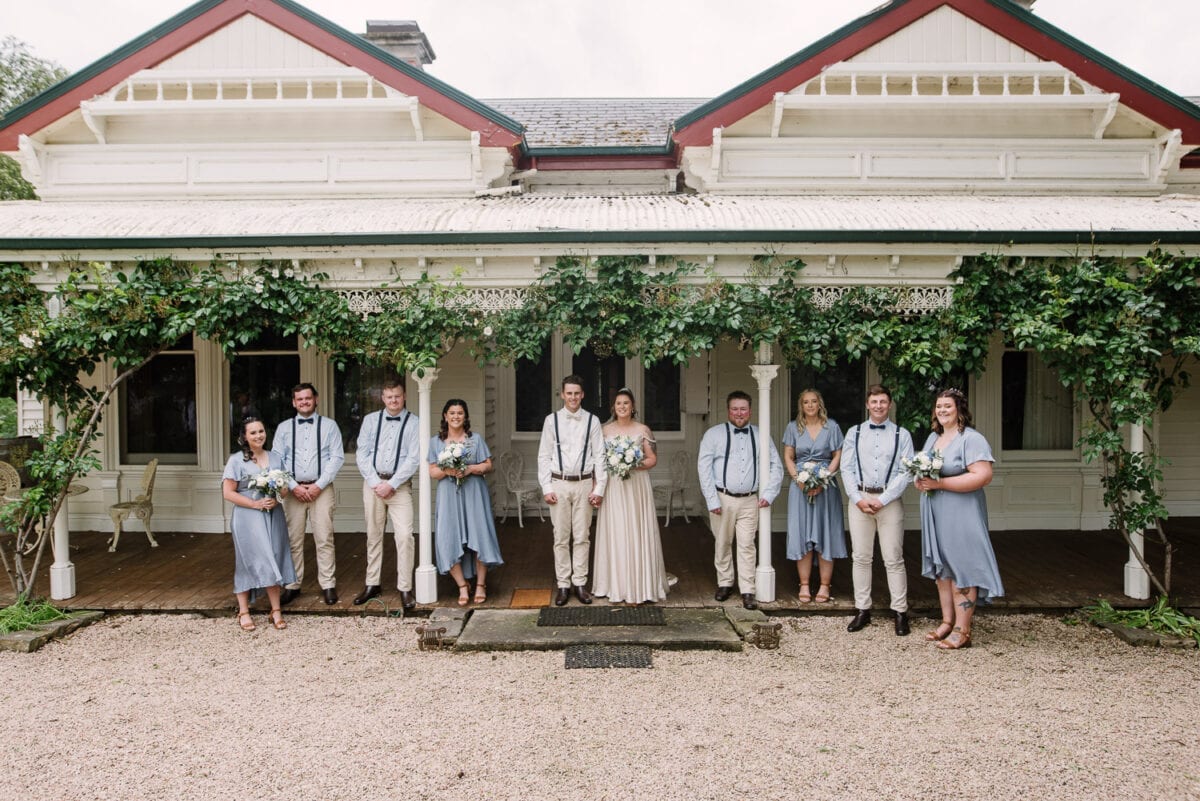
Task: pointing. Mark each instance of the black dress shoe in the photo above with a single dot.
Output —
(330, 596)
(582, 594)
(860, 620)
(370, 591)
(408, 600)
(562, 596)
(723, 593)
(748, 601)
(902, 624)
(287, 596)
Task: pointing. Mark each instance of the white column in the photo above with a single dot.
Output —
(1137, 581)
(62, 572)
(764, 374)
(426, 576)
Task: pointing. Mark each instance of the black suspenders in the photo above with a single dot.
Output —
(587, 440)
(399, 442)
(858, 459)
(318, 447)
(753, 457)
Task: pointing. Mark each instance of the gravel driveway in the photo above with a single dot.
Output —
(170, 707)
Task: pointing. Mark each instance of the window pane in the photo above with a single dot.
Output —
(602, 377)
(534, 391)
(261, 386)
(356, 393)
(271, 340)
(158, 411)
(1038, 410)
(659, 409)
(841, 386)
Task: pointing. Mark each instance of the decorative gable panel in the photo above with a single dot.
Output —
(945, 35)
(248, 42)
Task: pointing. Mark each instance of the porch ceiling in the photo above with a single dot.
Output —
(1173, 219)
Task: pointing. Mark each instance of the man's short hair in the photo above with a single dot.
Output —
(878, 389)
(572, 379)
(301, 387)
(738, 394)
(394, 382)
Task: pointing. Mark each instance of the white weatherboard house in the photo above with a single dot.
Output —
(923, 132)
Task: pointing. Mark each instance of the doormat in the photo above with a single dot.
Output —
(530, 599)
(601, 616)
(608, 656)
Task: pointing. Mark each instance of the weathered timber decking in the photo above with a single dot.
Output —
(193, 572)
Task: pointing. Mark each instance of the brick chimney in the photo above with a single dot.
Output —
(403, 39)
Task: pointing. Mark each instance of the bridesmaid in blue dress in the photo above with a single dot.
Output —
(816, 526)
(262, 555)
(956, 550)
(465, 543)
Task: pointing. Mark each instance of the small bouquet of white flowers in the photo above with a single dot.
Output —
(924, 465)
(623, 455)
(811, 476)
(271, 483)
(453, 458)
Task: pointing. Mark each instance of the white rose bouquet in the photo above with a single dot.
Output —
(623, 455)
(924, 465)
(811, 476)
(271, 483)
(453, 458)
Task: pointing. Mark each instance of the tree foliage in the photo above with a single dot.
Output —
(22, 75)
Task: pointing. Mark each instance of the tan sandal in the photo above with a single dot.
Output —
(480, 592)
(277, 620)
(805, 594)
(963, 641)
(824, 594)
(464, 594)
(248, 623)
(935, 636)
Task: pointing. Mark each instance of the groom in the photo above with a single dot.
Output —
(571, 474)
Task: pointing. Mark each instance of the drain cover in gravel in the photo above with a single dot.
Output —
(608, 656)
(601, 616)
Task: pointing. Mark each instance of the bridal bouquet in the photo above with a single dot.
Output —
(453, 458)
(271, 483)
(623, 455)
(811, 476)
(924, 465)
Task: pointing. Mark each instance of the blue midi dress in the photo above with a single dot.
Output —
(954, 525)
(464, 529)
(818, 526)
(262, 555)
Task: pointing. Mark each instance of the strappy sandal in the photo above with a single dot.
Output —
(277, 620)
(246, 626)
(934, 636)
(480, 592)
(824, 594)
(464, 594)
(964, 640)
(805, 595)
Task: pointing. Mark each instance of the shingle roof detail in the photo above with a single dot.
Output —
(595, 122)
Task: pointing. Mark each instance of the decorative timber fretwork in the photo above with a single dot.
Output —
(913, 300)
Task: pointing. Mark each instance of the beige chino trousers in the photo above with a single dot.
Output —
(572, 519)
(888, 522)
(320, 513)
(399, 509)
(737, 524)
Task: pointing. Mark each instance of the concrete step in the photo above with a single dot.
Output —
(684, 629)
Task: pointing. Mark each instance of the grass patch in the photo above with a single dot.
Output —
(25, 614)
(1161, 618)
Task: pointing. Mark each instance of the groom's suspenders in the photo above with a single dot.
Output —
(587, 440)
(858, 460)
(753, 458)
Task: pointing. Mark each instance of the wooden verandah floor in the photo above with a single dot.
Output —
(1042, 570)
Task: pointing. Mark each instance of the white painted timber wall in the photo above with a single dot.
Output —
(945, 35)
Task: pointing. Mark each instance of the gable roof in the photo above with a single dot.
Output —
(201, 19)
(1004, 17)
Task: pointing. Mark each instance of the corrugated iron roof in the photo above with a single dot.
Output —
(595, 122)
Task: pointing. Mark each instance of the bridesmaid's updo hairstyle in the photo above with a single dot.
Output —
(627, 392)
(960, 403)
(445, 429)
(822, 415)
(241, 439)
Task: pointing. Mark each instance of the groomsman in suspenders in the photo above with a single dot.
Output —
(388, 455)
(728, 467)
(310, 447)
(874, 480)
(571, 474)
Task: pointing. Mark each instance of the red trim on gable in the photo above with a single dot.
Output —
(196, 29)
(699, 133)
(618, 162)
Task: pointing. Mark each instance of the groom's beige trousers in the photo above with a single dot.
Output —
(572, 519)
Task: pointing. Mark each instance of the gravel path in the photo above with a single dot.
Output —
(169, 707)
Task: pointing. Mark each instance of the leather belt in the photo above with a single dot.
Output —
(735, 494)
(386, 476)
(872, 490)
(306, 483)
(579, 477)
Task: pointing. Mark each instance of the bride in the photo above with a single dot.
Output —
(629, 559)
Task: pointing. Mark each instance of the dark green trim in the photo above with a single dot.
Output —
(197, 9)
(576, 237)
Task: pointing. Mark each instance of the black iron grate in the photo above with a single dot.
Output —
(608, 656)
(601, 616)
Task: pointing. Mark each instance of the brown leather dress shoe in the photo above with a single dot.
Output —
(562, 596)
(408, 600)
(748, 601)
(287, 596)
(582, 594)
(330, 596)
(723, 593)
(370, 591)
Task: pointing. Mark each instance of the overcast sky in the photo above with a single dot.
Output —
(619, 48)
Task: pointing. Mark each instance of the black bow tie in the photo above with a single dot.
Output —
(302, 420)
(880, 427)
(397, 417)
(745, 430)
